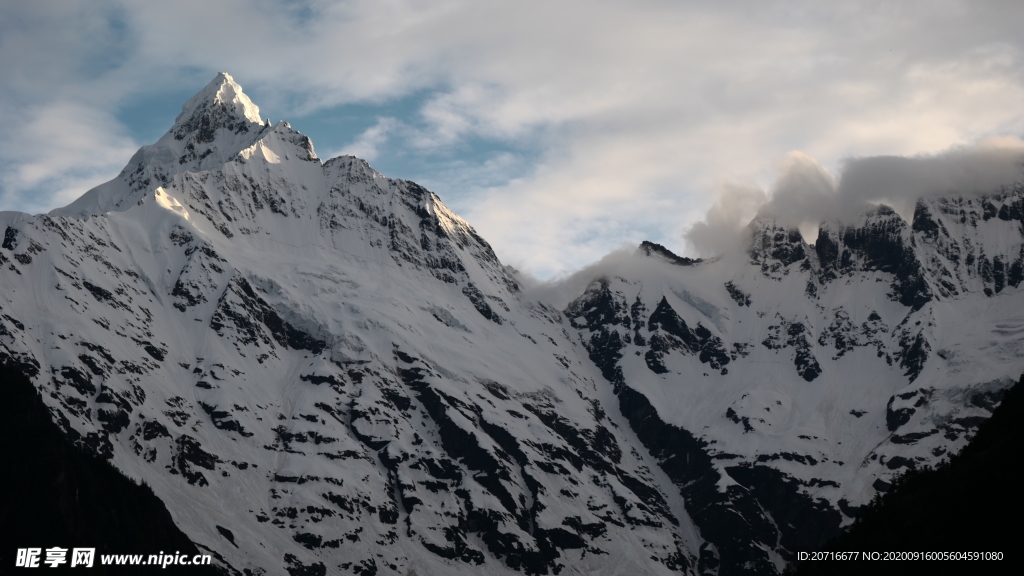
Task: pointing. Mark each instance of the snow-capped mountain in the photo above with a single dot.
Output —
(323, 370)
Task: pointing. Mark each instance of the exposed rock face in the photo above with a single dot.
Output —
(323, 370)
(882, 242)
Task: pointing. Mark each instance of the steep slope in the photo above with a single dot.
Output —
(335, 369)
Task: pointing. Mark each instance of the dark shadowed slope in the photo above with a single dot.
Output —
(60, 495)
(972, 503)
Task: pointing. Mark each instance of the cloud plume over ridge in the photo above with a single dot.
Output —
(806, 194)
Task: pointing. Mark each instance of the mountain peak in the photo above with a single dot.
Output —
(221, 104)
(213, 127)
(648, 248)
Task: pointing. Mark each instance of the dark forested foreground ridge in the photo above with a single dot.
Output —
(973, 503)
(60, 495)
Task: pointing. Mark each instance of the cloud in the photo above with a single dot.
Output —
(805, 193)
(66, 149)
(368, 144)
(735, 206)
(899, 181)
(619, 117)
(559, 291)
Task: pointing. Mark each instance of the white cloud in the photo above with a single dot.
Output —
(62, 150)
(720, 230)
(368, 144)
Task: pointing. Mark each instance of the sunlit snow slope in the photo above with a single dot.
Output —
(323, 370)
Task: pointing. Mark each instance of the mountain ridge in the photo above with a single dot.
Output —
(338, 369)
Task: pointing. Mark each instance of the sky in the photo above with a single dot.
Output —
(561, 130)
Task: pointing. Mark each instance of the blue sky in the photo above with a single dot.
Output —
(560, 130)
